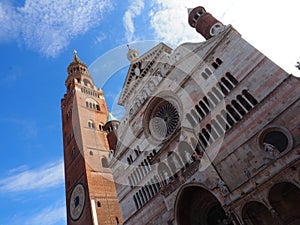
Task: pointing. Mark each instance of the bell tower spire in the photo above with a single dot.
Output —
(78, 72)
(204, 23)
(90, 191)
(132, 54)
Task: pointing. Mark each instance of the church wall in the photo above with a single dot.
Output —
(235, 167)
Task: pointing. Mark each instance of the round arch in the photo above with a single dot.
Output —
(284, 198)
(174, 162)
(164, 173)
(196, 205)
(104, 163)
(186, 152)
(256, 213)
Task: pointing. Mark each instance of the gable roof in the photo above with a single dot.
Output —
(139, 68)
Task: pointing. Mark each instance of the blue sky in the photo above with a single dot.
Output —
(37, 39)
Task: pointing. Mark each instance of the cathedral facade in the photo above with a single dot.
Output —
(211, 134)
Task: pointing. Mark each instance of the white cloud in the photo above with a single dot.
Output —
(23, 179)
(9, 22)
(48, 26)
(133, 11)
(169, 19)
(48, 216)
(101, 36)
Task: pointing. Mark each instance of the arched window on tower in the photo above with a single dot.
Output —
(101, 127)
(91, 124)
(117, 221)
(104, 163)
(92, 104)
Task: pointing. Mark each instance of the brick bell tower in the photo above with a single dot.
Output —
(90, 191)
(204, 23)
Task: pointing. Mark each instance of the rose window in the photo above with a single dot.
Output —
(164, 120)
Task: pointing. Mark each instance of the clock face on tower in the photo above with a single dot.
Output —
(77, 201)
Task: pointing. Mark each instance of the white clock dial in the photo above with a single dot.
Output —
(216, 29)
(77, 201)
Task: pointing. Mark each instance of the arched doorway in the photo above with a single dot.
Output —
(256, 213)
(197, 206)
(284, 198)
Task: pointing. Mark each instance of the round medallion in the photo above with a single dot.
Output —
(216, 29)
(77, 202)
(137, 71)
(164, 120)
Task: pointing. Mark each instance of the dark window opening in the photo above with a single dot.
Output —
(199, 110)
(104, 163)
(219, 61)
(204, 75)
(215, 65)
(203, 106)
(249, 97)
(101, 128)
(206, 135)
(142, 197)
(227, 83)
(244, 102)
(136, 152)
(222, 88)
(231, 78)
(228, 118)
(99, 204)
(208, 103)
(144, 194)
(233, 113)
(238, 107)
(277, 140)
(151, 189)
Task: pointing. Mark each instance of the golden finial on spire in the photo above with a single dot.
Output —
(76, 59)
